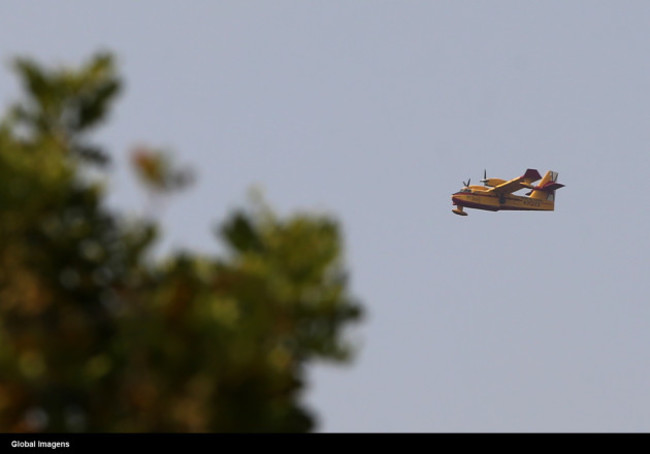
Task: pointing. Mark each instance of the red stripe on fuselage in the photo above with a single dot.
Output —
(465, 203)
(480, 206)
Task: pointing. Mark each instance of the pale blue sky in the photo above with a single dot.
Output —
(375, 111)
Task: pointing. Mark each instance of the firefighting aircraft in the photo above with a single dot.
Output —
(497, 194)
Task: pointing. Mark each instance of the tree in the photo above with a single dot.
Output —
(96, 335)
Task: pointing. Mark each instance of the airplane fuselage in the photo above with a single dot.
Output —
(480, 199)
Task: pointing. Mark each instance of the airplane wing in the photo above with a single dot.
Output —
(518, 183)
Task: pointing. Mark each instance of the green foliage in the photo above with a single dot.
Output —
(97, 336)
(62, 105)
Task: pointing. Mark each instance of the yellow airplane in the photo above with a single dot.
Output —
(496, 194)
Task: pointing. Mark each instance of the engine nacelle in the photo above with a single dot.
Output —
(493, 182)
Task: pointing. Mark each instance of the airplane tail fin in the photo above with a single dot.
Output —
(546, 188)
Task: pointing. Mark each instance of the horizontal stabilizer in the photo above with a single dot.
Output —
(546, 188)
(551, 186)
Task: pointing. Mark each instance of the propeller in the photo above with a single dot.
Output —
(484, 180)
(466, 184)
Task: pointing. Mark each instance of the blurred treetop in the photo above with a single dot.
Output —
(95, 336)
